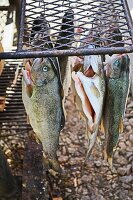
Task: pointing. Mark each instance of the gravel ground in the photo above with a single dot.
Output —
(92, 180)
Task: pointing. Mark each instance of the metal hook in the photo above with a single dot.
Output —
(42, 1)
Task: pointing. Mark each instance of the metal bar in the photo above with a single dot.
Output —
(128, 16)
(4, 8)
(53, 53)
(21, 29)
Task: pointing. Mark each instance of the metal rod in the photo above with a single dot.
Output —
(128, 16)
(53, 53)
(4, 8)
(21, 29)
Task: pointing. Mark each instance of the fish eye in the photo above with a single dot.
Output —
(117, 62)
(45, 69)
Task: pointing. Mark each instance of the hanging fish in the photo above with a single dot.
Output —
(90, 87)
(41, 94)
(64, 41)
(117, 88)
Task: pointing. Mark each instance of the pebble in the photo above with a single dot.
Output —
(129, 127)
(124, 170)
(122, 145)
(131, 121)
(122, 160)
(126, 179)
(125, 186)
(63, 159)
(85, 178)
(97, 163)
(130, 105)
(128, 143)
(131, 138)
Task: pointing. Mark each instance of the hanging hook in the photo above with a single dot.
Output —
(42, 1)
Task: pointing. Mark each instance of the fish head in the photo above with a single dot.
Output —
(117, 65)
(42, 71)
(92, 64)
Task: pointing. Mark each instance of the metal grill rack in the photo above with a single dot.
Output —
(105, 23)
(13, 116)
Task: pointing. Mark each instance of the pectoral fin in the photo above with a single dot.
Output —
(102, 129)
(29, 90)
(121, 126)
(94, 90)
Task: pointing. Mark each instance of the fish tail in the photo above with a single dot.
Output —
(92, 141)
(108, 158)
(52, 165)
(110, 161)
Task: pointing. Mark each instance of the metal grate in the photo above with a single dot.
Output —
(13, 117)
(72, 25)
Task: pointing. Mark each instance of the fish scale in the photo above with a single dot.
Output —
(117, 88)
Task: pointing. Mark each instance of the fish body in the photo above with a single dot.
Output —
(90, 87)
(117, 87)
(42, 98)
(44, 107)
(64, 41)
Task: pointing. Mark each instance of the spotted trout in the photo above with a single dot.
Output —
(41, 94)
(117, 87)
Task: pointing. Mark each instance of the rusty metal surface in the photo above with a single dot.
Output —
(104, 23)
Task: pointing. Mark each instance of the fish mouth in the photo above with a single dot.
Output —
(87, 106)
(89, 72)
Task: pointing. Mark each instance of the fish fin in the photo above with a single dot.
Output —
(102, 129)
(110, 161)
(92, 141)
(99, 140)
(28, 119)
(108, 158)
(105, 155)
(55, 166)
(121, 125)
(29, 90)
(51, 165)
(2, 103)
(95, 90)
(81, 115)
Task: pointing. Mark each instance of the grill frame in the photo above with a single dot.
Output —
(21, 53)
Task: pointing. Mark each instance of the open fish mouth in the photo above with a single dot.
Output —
(81, 84)
(89, 72)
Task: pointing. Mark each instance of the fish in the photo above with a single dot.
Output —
(42, 98)
(8, 187)
(90, 87)
(64, 42)
(117, 89)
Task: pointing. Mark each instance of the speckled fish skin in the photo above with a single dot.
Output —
(117, 87)
(44, 108)
(43, 103)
